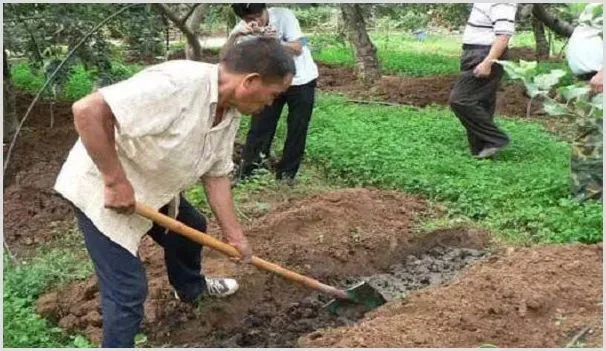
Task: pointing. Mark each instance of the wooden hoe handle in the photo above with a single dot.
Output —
(228, 250)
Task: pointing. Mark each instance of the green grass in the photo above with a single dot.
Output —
(402, 54)
(79, 81)
(522, 195)
(25, 282)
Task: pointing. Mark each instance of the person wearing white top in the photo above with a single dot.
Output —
(474, 96)
(281, 24)
(585, 50)
(150, 138)
(584, 54)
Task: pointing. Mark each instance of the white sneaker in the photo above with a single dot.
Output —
(217, 287)
(221, 287)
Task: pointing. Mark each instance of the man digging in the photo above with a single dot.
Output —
(148, 139)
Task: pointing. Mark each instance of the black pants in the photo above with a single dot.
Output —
(122, 280)
(300, 100)
(474, 100)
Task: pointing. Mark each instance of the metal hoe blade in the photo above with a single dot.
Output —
(361, 297)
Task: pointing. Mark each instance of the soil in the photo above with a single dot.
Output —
(30, 205)
(527, 297)
(330, 237)
(419, 91)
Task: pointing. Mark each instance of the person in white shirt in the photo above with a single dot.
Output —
(281, 24)
(150, 138)
(473, 98)
(585, 50)
(584, 53)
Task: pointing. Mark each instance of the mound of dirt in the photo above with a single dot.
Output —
(335, 234)
(530, 297)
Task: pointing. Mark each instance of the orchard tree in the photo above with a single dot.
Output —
(187, 18)
(368, 67)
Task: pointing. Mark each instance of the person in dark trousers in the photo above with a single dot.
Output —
(473, 98)
(150, 138)
(279, 23)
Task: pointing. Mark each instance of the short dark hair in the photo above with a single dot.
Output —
(262, 55)
(242, 10)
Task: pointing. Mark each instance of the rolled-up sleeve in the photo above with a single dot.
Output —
(145, 104)
(222, 167)
(503, 17)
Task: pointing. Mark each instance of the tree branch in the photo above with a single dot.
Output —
(170, 14)
(179, 22)
(189, 33)
(189, 13)
(557, 25)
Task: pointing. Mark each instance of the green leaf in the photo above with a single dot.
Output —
(513, 69)
(533, 90)
(546, 81)
(140, 339)
(554, 108)
(527, 66)
(81, 342)
(598, 101)
(597, 11)
(572, 92)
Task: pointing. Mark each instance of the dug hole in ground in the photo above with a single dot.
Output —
(449, 288)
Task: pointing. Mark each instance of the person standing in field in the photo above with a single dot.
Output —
(585, 55)
(281, 24)
(149, 138)
(473, 98)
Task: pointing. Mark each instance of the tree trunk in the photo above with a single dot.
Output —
(542, 46)
(557, 25)
(10, 121)
(369, 70)
(194, 49)
(193, 24)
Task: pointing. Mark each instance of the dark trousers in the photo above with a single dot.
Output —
(300, 100)
(122, 280)
(474, 100)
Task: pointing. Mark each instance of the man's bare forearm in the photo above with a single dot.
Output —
(218, 193)
(95, 123)
(498, 48)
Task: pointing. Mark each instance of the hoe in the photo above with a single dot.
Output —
(361, 296)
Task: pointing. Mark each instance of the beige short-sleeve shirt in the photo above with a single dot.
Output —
(165, 141)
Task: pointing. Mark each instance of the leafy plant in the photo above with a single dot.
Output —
(571, 100)
(79, 83)
(23, 327)
(523, 195)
